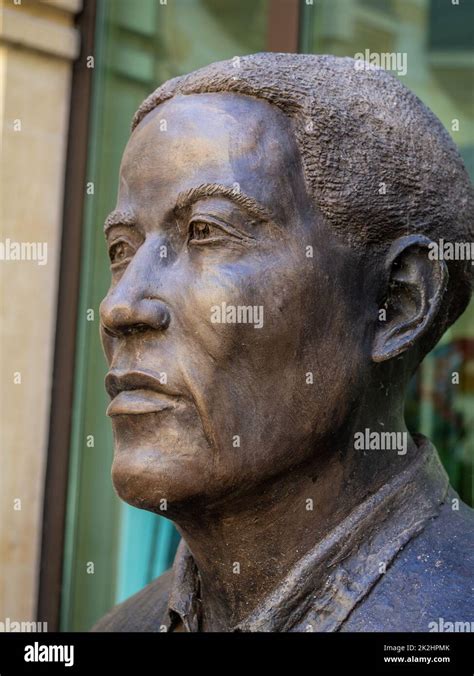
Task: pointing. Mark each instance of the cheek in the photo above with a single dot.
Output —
(222, 310)
(335, 363)
(269, 282)
(251, 374)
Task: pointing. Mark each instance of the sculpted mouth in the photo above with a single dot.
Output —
(137, 392)
(136, 402)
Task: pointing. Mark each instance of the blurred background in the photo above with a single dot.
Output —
(72, 73)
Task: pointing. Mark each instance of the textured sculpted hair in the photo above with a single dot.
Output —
(377, 162)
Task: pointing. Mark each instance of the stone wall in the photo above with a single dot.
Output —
(38, 43)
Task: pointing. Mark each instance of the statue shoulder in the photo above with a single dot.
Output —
(429, 583)
(145, 611)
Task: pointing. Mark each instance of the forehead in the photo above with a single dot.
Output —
(222, 138)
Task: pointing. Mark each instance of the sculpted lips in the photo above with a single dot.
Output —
(137, 392)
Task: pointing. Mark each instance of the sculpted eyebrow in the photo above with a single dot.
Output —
(188, 197)
(118, 217)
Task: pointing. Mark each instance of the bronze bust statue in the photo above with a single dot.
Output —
(272, 294)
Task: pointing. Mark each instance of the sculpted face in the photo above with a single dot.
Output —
(217, 312)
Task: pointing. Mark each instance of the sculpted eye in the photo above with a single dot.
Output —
(209, 230)
(202, 231)
(120, 251)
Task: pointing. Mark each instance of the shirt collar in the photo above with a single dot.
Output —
(322, 589)
(184, 603)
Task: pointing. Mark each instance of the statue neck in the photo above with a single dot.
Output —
(244, 548)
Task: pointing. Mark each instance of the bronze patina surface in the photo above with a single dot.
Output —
(273, 290)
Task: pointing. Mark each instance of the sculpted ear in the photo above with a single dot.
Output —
(415, 289)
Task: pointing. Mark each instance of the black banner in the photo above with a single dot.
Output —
(88, 653)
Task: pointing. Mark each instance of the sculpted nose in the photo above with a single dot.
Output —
(121, 316)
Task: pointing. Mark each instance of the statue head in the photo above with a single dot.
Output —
(273, 284)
